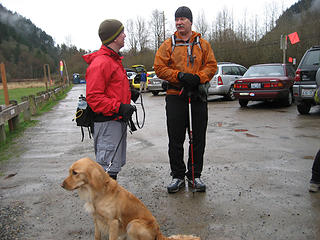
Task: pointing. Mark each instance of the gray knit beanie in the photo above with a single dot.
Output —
(109, 30)
(183, 12)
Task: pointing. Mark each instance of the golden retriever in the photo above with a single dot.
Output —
(116, 212)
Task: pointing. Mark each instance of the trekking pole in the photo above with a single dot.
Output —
(191, 141)
(115, 152)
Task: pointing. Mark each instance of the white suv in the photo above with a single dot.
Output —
(223, 80)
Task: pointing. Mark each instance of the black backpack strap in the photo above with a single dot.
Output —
(82, 134)
(89, 132)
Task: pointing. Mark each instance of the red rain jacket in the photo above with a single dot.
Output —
(107, 82)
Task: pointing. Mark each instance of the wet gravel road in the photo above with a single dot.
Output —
(257, 168)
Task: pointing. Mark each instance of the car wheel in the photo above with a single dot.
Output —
(303, 107)
(288, 100)
(230, 95)
(243, 102)
(155, 93)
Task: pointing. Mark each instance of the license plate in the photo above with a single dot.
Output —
(255, 85)
(308, 92)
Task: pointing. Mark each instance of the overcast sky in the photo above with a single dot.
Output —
(77, 21)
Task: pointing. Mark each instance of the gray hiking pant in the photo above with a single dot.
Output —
(107, 136)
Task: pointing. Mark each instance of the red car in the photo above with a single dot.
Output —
(266, 82)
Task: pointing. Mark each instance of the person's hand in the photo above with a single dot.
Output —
(126, 110)
(134, 94)
(188, 79)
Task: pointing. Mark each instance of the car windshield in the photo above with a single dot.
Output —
(312, 58)
(139, 69)
(265, 71)
(151, 75)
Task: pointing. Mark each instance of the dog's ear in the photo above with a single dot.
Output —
(96, 178)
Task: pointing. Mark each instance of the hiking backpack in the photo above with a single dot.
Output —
(84, 116)
(175, 42)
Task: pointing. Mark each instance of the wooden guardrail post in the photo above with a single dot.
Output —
(2, 133)
(27, 112)
(5, 91)
(33, 107)
(4, 83)
(15, 119)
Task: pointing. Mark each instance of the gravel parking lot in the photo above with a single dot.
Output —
(257, 169)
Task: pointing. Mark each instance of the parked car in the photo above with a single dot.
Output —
(130, 74)
(305, 81)
(266, 82)
(223, 80)
(139, 68)
(156, 85)
(150, 75)
(78, 78)
(136, 81)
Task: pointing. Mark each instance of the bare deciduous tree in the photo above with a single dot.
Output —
(157, 28)
(131, 37)
(142, 33)
(270, 14)
(224, 23)
(201, 25)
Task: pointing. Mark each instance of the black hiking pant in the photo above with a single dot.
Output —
(177, 112)
(316, 169)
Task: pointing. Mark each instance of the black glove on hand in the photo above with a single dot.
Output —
(126, 110)
(188, 79)
(134, 94)
(195, 81)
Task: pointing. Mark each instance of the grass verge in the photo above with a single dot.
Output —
(17, 93)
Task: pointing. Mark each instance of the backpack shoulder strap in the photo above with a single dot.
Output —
(197, 41)
(173, 42)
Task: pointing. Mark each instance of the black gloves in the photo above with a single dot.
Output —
(189, 80)
(126, 110)
(134, 94)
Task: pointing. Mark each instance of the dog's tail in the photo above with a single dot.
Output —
(180, 237)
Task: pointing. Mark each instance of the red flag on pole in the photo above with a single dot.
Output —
(294, 38)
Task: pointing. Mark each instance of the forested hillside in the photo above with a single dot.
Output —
(24, 48)
(303, 18)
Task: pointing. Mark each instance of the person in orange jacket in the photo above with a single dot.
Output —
(187, 62)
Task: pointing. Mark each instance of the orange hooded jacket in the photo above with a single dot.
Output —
(168, 63)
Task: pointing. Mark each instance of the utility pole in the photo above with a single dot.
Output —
(64, 62)
(164, 26)
(46, 75)
(283, 46)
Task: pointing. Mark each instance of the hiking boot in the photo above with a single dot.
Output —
(199, 186)
(314, 187)
(175, 185)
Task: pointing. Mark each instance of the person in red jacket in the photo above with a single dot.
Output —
(108, 94)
